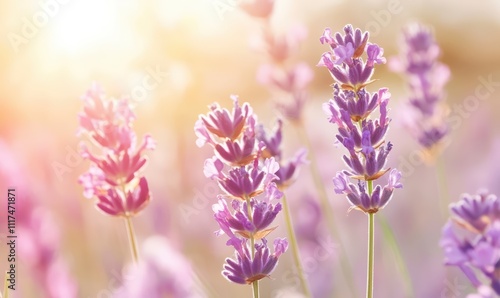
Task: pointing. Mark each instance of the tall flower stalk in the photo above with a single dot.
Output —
(426, 114)
(471, 241)
(248, 203)
(426, 76)
(115, 175)
(363, 137)
(289, 79)
(288, 170)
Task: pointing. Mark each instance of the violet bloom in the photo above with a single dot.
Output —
(471, 240)
(426, 76)
(281, 75)
(114, 176)
(288, 169)
(245, 269)
(247, 176)
(350, 110)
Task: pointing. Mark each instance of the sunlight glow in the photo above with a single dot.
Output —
(85, 26)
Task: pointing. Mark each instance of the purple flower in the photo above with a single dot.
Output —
(115, 176)
(239, 221)
(244, 269)
(426, 77)
(475, 211)
(246, 171)
(358, 196)
(350, 109)
(223, 124)
(476, 249)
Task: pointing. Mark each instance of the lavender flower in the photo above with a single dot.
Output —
(476, 249)
(350, 110)
(281, 75)
(288, 169)
(114, 177)
(247, 177)
(426, 78)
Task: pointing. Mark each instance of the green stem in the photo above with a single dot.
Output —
(131, 239)
(390, 239)
(255, 288)
(295, 247)
(327, 209)
(371, 249)
(255, 284)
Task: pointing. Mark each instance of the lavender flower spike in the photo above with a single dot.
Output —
(350, 109)
(362, 135)
(478, 252)
(247, 176)
(426, 76)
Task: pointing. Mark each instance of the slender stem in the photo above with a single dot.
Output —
(255, 284)
(131, 239)
(390, 239)
(295, 248)
(371, 248)
(327, 210)
(255, 288)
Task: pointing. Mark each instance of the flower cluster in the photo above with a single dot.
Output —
(350, 110)
(471, 239)
(288, 169)
(426, 78)
(281, 74)
(114, 176)
(41, 249)
(248, 181)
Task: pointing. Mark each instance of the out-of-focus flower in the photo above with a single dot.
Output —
(281, 74)
(476, 248)
(426, 76)
(114, 176)
(162, 272)
(40, 246)
(288, 169)
(258, 8)
(350, 110)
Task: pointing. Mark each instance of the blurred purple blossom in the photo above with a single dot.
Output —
(471, 240)
(114, 176)
(162, 272)
(426, 76)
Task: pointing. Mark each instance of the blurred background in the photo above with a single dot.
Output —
(202, 51)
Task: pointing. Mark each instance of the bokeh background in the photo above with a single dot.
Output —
(205, 55)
